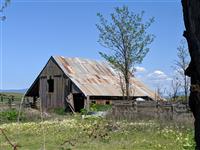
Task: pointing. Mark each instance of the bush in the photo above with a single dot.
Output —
(84, 111)
(59, 111)
(10, 115)
(100, 107)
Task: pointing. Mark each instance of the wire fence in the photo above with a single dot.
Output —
(151, 110)
(9, 101)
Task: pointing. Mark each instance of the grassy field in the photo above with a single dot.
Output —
(75, 133)
(59, 131)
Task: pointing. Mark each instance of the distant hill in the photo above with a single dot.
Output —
(13, 91)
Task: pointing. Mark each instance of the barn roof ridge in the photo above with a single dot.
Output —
(97, 78)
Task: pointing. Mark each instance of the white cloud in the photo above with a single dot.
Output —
(158, 75)
(156, 79)
(140, 69)
(159, 72)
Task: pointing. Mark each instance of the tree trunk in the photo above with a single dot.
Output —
(191, 14)
(126, 75)
(127, 88)
(186, 90)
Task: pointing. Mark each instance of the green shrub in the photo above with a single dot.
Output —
(100, 107)
(10, 115)
(84, 111)
(59, 111)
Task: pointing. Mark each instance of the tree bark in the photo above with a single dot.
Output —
(191, 14)
(186, 88)
(127, 82)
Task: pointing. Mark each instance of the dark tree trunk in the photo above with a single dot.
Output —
(191, 13)
(186, 88)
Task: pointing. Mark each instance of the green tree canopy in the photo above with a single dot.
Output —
(126, 36)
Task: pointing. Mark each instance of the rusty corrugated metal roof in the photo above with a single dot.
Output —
(98, 78)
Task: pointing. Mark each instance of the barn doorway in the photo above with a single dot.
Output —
(78, 101)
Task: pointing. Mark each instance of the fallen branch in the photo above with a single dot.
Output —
(69, 142)
(14, 146)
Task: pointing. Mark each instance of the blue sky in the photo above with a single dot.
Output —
(35, 30)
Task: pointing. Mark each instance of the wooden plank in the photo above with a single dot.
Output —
(56, 98)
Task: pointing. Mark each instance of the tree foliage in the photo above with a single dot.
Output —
(3, 5)
(127, 38)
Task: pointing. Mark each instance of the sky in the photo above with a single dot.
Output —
(34, 30)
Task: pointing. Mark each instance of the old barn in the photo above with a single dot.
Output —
(75, 83)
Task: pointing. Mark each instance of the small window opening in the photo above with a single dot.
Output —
(107, 102)
(50, 85)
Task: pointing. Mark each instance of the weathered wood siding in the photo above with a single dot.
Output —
(56, 98)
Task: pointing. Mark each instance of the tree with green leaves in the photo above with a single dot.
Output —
(3, 5)
(127, 38)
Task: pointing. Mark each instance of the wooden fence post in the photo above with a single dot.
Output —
(172, 111)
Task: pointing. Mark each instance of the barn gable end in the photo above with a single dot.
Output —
(52, 87)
